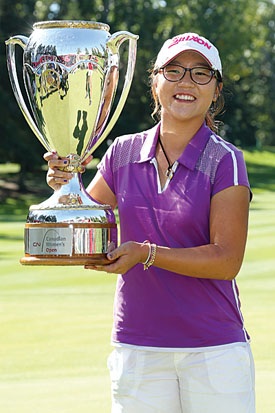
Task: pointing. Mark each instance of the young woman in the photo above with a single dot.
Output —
(183, 197)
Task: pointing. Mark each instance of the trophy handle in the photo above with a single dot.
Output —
(114, 44)
(11, 43)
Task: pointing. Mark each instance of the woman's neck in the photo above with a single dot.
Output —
(177, 135)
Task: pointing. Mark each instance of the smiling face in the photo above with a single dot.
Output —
(185, 100)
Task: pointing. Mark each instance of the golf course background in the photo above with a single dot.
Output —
(56, 321)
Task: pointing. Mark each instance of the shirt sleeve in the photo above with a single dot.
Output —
(231, 171)
(105, 167)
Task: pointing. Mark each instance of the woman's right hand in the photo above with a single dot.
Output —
(55, 177)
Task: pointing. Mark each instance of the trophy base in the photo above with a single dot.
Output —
(68, 243)
(97, 259)
(69, 229)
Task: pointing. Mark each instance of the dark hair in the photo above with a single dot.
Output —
(214, 110)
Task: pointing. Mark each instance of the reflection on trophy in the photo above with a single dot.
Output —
(71, 71)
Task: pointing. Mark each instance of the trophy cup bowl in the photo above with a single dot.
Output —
(70, 72)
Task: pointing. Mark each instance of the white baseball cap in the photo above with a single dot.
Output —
(192, 42)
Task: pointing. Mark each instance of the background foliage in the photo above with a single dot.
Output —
(243, 31)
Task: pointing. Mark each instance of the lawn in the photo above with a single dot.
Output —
(56, 322)
(55, 334)
(256, 282)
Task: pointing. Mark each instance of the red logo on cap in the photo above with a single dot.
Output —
(197, 39)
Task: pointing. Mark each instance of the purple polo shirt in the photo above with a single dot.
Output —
(159, 308)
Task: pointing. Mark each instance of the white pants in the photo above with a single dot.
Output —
(218, 381)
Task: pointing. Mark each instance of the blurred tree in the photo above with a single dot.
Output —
(243, 31)
(17, 141)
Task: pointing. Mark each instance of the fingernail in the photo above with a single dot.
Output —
(110, 256)
(65, 180)
(65, 162)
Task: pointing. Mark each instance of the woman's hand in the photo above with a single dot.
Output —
(123, 258)
(56, 177)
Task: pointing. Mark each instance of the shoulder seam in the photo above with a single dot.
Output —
(233, 156)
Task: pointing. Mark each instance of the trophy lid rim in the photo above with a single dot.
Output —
(79, 24)
(61, 207)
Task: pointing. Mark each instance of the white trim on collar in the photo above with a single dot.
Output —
(168, 180)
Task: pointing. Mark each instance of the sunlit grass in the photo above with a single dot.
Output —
(256, 282)
(7, 168)
(55, 334)
(261, 167)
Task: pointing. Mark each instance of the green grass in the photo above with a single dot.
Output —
(55, 334)
(256, 282)
(261, 169)
(55, 323)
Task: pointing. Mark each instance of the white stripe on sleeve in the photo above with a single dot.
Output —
(234, 160)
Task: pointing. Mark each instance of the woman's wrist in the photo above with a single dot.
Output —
(146, 258)
(144, 251)
(150, 258)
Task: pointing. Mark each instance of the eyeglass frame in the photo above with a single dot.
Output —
(214, 73)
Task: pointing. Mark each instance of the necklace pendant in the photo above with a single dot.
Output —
(169, 173)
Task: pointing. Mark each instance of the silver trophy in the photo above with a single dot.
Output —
(70, 71)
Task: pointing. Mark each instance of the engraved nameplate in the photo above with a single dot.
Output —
(49, 241)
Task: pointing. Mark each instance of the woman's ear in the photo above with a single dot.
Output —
(155, 81)
(217, 91)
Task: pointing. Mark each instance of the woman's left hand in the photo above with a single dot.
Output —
(123, 258)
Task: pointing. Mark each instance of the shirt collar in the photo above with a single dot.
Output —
(190, 155)
(195, 147)
(148, 149)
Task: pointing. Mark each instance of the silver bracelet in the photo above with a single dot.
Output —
(150, 251)
(151, 256)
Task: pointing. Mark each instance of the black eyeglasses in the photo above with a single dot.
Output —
(199, 75)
